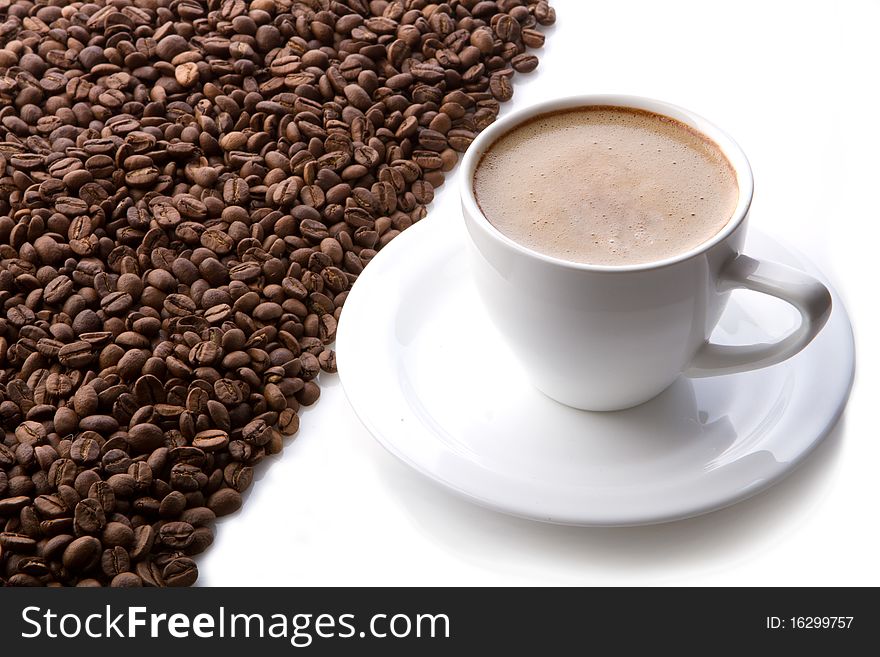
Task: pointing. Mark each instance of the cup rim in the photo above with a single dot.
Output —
(725, 142)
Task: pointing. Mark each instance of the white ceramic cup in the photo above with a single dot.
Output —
(611, 337)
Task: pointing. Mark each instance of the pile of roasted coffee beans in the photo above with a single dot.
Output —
(188, 190)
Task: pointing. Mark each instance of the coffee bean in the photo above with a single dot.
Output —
(117, 533)
(524, 63)
(144, 538)
(203, 538)
(187, 204)
(103, 424)
(52, 548)
(204, 353)
(30, 433)
(51, 506)
(268, 311)
(82, 554)
(85, 450)
(85, 400)
(274, 396)
(89, 517)
(309, 366)
(115, 561)
(187, 478)
(224, 501)
(532, 38)
(131, 363)
(211, 440)
(180, 571)
(58, 290)
(257, 432)
(122, 485)
(227, 392)
(116, 303)
(327, 360)
(179, 304)
(176, 535)
(145, 437)
(17, 543)
(12, 505)
(65, 421)
(103, 493)
(309, 394)
(544, 13)
(149, 573)
(172, 505)
(171, 46)
(238, 476)
(127, 581)
(142, 475)
(187, 74)
(246, 272)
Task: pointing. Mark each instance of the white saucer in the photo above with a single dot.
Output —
(432, 379)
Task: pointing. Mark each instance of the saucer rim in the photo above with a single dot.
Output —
(713, 500)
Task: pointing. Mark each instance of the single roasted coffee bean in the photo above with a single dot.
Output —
(102, 492)
(51, 506)
(228, 392)
(82, 554)
(180, 571)
(187, 478)
(150, 573)
(144, 538)
(172, 505)
(327, 360)
(116, 303)
(257, 432)
(30, 433)
(121, 485)
(85, 450)
(238, 476)
(211, 440)
(127, 581)
(76, 354)
(288, 422)
(89, 517)
(115, 561)
(203, 538)
(17, 543)
(176, 535)
(117, 533)
(224, 501)
(145, 437)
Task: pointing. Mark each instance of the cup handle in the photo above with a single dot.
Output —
(802, 291)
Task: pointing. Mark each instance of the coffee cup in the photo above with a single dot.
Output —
(605, 337)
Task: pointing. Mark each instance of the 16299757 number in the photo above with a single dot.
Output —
(809, 622)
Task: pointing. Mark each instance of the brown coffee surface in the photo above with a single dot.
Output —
(606, 186)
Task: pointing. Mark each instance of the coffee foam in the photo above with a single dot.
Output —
(606, 185)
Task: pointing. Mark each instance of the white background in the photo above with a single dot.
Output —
(796, 84)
